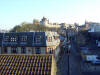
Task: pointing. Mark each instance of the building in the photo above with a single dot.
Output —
(36, 22)
(3, 31)
(45, 22)
(92, 26)
(29, 43)
(28, 53)
(1, 37)
(64, 25)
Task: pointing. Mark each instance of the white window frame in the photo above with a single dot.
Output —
(13, 39)
(38, 39)
(24, 38)
(6, 38)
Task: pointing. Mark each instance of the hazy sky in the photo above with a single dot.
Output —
(14, 12)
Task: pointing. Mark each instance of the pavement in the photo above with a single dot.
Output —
(62, 65)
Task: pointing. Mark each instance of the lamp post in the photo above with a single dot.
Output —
(68, 73)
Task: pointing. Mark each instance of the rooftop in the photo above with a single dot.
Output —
(26, 64)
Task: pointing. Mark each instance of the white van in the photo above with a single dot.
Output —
(98, 43)
(91, 57)
(94, 59)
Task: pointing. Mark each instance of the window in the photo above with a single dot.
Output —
(38, 39)
(23, 50)
(54, 37)
(49, 39)
(6, 38)
(38, 51)
(5, 49)
(24, 38)
(98, 58)
(14, 50)
(0, 38)
(13, 39)
(50, 50)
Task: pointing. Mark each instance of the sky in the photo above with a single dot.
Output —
(14, 12)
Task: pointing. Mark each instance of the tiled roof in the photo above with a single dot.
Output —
(15, 39)
(30, 39)
(25, 64)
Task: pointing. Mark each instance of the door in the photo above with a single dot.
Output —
(23, 50)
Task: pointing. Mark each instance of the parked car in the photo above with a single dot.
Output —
(99, 44)
(93, 59)
(97, 61)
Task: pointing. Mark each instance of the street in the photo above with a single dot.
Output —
(69, 63)
(74, 60)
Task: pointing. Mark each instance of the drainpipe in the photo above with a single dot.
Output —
(2, 43)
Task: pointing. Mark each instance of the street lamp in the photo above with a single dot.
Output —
(68, 51)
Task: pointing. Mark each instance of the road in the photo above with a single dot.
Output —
(75, 63)
(69, 63)
(74, 60)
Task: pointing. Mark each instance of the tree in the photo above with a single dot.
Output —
(26, 27)
(17, 28)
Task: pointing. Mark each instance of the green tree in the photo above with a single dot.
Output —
(17, 28)
(24, 27)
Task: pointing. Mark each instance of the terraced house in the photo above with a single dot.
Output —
(29, 43)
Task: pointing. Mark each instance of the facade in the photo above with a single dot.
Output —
(1, 37)
(46, 23)
(64, 25)
(29, 43)
(92, 26)
(36, 22)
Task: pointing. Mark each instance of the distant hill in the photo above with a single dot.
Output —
(31, 27)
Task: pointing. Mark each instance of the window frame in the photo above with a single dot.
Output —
(23, 50)
(38, 50)
(23, 38)
(38, 39)
(6, 38)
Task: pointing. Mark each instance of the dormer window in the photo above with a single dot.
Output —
(38, 39)
(24, 38)
(13, 39)
(6, 38)
(50, 50)
(49, 39)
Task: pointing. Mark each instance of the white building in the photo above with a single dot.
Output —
(93, 26)
(46, 23)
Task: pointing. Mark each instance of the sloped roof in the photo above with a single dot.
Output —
(25, 64)
(30, 39)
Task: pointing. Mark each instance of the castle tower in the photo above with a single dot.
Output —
(86, 24)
